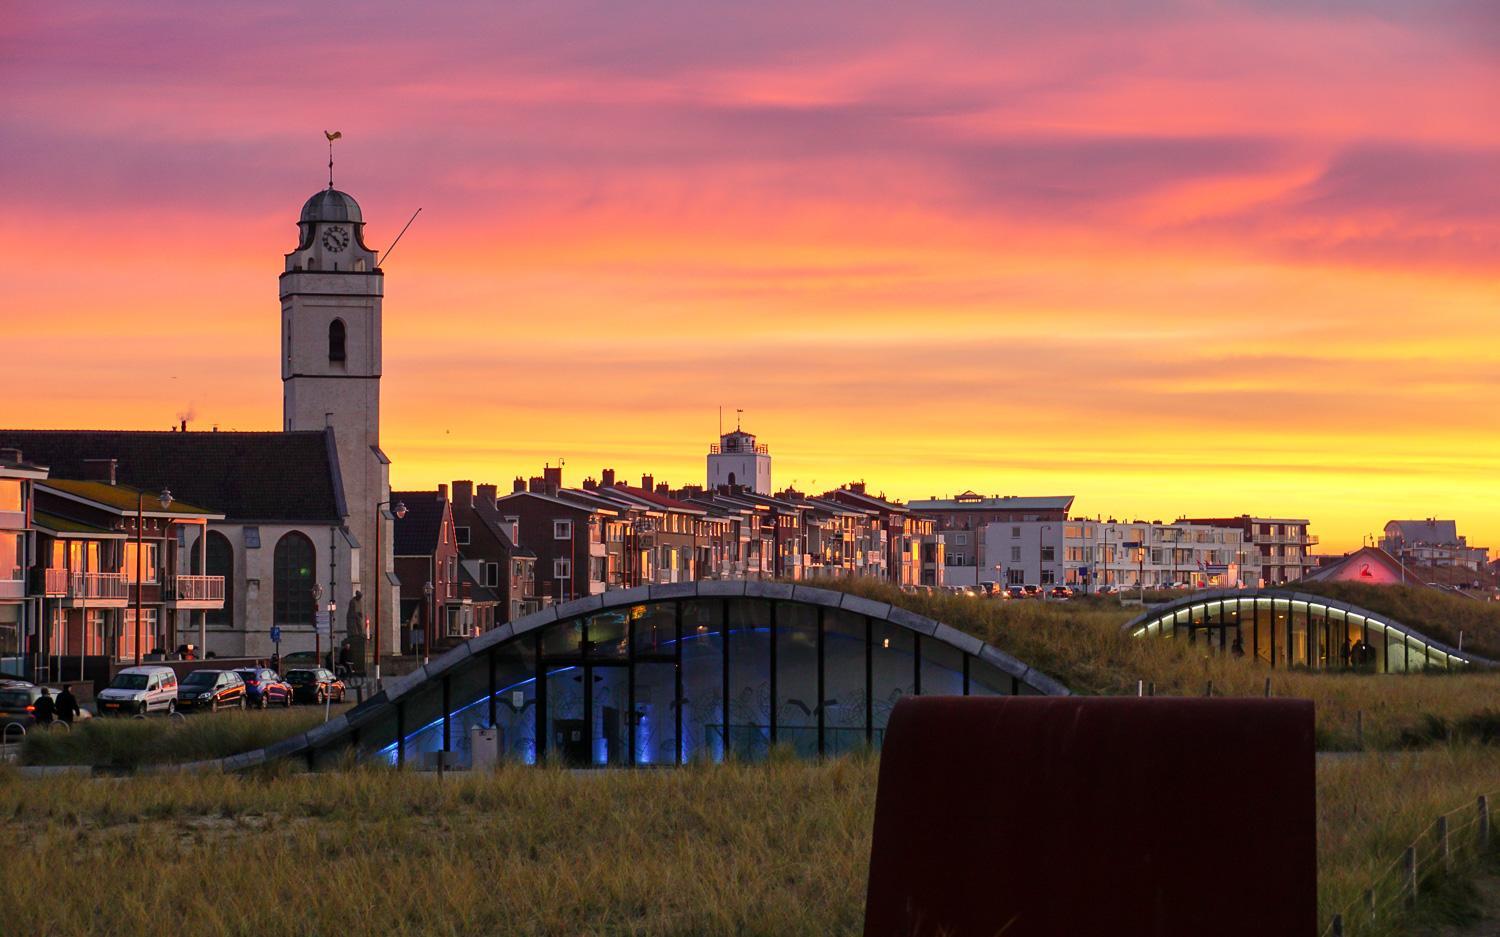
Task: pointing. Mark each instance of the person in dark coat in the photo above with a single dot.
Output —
(66, 705)
(43, 707)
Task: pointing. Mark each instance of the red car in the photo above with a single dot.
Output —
(264, 687)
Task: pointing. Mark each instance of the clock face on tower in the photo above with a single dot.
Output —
(336, 239)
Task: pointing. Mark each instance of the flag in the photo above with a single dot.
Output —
(332, 135)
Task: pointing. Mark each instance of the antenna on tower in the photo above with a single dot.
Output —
(398, 237)
(332, 135)
(737, 414)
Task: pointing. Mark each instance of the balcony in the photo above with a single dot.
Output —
(77, 590)
(205, 592)
(758, 449)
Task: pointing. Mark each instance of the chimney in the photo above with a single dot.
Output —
(184, 425)
(518, 485)
(10, 455)
(100, 470)
(463, 494)
(589, 484)
(661, 488)
(607, 478)
(488, 495)
(552, 475)
(442, 492)
(857, 487)
(536, 484)
(647, 482)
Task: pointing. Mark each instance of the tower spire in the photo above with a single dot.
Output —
(332, 135)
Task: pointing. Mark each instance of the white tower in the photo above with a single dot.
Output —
(737, 460)
(330, 371)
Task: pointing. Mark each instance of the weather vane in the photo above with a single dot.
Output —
(332, 135)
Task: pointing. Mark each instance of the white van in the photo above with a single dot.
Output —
(140, 690)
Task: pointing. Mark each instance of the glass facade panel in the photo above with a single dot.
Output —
(568, 740)
(1297, 615)
(988, 680)
(797, 702)
(424, 723)
(892, 671)
(564, 639)
(469, 693)
(844, 704)
(750, 680)
(655, 629)
(942, 669)
(703, 679)
(515, 699)
(1264, 616)
(607, 635)
(610, 723)
(655, 714)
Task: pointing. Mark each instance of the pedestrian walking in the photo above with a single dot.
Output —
(66, 706)
(43, 708)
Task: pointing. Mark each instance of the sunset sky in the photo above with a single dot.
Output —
(1190, 258)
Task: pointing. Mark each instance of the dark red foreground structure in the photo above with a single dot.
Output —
(1070, 817)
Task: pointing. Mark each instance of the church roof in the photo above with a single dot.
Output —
(248, 477)
(331, 205)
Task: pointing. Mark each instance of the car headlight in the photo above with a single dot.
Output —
(205, 695)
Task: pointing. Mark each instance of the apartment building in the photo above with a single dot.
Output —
(1283, 543)
(1432, 542)
(20, 612)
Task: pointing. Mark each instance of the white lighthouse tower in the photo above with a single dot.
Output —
(738, 460)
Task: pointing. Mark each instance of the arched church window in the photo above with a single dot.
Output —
(220, 563)
(294, 563)
(336, 340)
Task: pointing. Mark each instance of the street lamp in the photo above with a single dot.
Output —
(317, 594)
(165, 498)
(399, 511)
(427, 632)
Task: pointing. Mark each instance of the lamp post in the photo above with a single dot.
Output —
(399, 511)
(427, 632)
(317, 596)
(140, 517)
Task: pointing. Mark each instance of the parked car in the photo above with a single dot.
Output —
(315, 685)
(1060, 592)
(264, 687)
(136, 691)
(1032, 591)
(1108, 589)
(211, 690)
(1016, 592)
(307, 659)
(15, 705)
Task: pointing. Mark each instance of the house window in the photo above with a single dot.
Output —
(1047, 577)
(562, 530)
(1015, 532)
(1049, 554)
(336, 334)
(562, 569)
(1015, 554)
(1015, 577)
(961, 539)
(492, 574)
(461, 536)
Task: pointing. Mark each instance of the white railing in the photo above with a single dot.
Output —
(198, 588)
(57, 582)
(98, 586)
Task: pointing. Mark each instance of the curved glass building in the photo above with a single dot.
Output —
(1294, 629)
(665, 675)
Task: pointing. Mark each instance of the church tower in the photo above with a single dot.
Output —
(330, 371)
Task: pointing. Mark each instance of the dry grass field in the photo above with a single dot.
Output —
(779, 848)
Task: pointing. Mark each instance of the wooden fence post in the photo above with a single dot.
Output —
(1484, 823)
(1409, 863)
(1268, 688)
(1209, 691)
(1151, 688)
(1370, 902)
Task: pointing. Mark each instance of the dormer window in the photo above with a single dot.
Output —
(336, 340)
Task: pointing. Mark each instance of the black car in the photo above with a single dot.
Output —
(211, 690)
(315, 685)
(16, 705)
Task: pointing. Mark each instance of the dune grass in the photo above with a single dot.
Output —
(778, 848)
(129, 743)
(1082, 644)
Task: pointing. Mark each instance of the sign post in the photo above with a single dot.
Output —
(276, 640)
